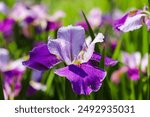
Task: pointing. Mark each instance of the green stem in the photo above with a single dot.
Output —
(148, 70)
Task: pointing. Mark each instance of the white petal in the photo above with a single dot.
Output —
(132, 23)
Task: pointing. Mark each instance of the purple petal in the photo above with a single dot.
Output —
(108, 61)
(41, 59)
(3, 8)
(51, 25)
(82, 77)
(83, 24)
(134, 74)
(74, 35)
(6, 26)
(147, 21)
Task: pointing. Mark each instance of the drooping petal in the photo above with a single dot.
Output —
(108, 61)
(82, 77)
(41, 59)
(131, 21)
(134, 73)
(74, 35)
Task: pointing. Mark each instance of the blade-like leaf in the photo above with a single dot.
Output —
(102, 61)
(1, 89)
(89, 27)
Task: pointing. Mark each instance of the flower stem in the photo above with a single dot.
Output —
(148, 69)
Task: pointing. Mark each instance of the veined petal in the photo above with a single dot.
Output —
(60, 48)
(74, 35)
(41, 59)
(82, 77)
(108, 61)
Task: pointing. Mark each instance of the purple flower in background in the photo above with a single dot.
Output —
(3, 8)
(94, 17)
(20, 12)
(12, 77)
(55, 21)
(133, 20)
(70, 47)
(12, 72)
(132, 61)
(6, 26)
(4, 58)
(35, 84)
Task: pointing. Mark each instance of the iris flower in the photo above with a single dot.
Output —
(71, 48)
(132, 63)
(133, 20)
(12, 72)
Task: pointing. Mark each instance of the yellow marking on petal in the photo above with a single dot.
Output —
(77, 62)
(132, 13)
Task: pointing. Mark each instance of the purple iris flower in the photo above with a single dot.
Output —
(133, 64)
(12, 77)
(12, 72)
(133, 20)
(70, 47)
(6, 26)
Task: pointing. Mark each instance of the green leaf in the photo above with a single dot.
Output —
(149, 3)
(49, 81)
(25, 84)
(1, 89)
(117, 50)
(102, 61)
(89, 27)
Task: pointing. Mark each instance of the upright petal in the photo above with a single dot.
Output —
(82, 77)
(41, 59)
(88, 50)
(61, 49)
(74, 35)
